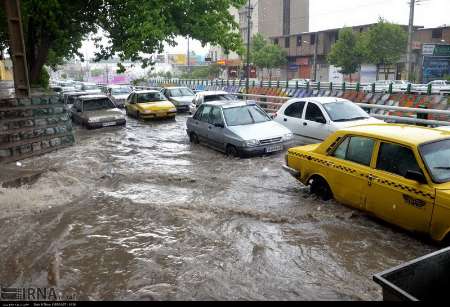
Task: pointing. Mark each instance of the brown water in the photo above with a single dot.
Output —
(140, 214)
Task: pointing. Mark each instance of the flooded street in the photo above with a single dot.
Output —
(141, 214)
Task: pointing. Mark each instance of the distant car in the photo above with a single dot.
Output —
(208, 96)
(118, 94)
(437, 87)
(70, 97)
(149, 105)
(181, 97)
(96, 111)
(237, 129)
(90, 88)
(398, 173)
(445, 128)
(383, 86)
(312, 120)
(300, 82)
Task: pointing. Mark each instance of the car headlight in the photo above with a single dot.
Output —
(173, 110)
(147, 111)
(93, 120)
(288, 137)
(252, 143)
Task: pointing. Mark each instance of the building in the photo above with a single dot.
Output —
(269, 18)
(309, 48)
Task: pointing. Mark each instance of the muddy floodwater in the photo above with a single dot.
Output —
(141, 214)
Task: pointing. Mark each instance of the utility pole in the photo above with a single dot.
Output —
(249, 23)
(412, 4)
(316, 45)
(188, 56)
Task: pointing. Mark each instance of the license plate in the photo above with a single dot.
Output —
(109, 124)
(161, 114)
(274, 148)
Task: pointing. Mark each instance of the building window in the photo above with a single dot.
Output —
(275, 41)
(313, 39)
(286, 17)
(436, 33)
(287, 42)
(299, 41)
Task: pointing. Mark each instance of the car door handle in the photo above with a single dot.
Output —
(305, 124)
(285, 119)
(372, 178)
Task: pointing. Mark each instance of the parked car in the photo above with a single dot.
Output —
(437, 87)
(96, 111)
(69, 98)
(398, 173)
(300, 82)
(181, 97)
(208, 96)
(237, 128)
(149, 105)
(118, 94)
(90, 88)
(312, 120)
(383, 86)
(445, 128)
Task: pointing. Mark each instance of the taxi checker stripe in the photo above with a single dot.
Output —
(350, 170)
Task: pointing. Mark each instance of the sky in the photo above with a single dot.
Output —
(330, 14)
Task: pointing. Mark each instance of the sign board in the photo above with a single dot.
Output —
(208, 60)
(436, 50)
(222, 62)
(294, 67)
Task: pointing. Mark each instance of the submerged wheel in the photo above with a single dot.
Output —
(320, 187)
(193, 138)
(232, 152)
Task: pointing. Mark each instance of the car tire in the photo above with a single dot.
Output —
(321, 188)
(193, 138)
(232, 152)
(138, 115)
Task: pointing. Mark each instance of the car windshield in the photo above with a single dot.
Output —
(180, 92)
(121, 90)
(90, 87)
(220, 97)
(436, 156)
(245, 115)
(150, 97)
(342, 111)
(98, 104)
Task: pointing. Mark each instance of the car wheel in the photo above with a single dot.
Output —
(320, 187)
(232, 152)
(193, 138)
(138, 115)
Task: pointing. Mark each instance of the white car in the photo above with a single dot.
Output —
(208, 96)
(119, 94)
(90, 88)
(445, 128)
(383, 86)
(437, 86)
(312, 120)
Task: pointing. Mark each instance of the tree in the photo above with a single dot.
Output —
(214, 70)
(384, 44)
(347, 52)
(55, 29)
(267, 56)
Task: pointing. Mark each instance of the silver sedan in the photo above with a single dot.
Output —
(238, 129)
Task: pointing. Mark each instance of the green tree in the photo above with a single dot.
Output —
(347, 52)
(384, 44)
(55, 29)
(214, 70)
(269, 56)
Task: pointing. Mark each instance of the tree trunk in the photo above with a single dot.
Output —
(38, 47)
(386, 72)
(378, 72)
(270, 75)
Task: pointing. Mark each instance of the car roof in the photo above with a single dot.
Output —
(229, 104)
(146, 92)
(400, 133)
(321, 100)
(92, 97)
(175, 87)
(212, 93)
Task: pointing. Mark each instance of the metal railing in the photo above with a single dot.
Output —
(272, 107)
(345, 86)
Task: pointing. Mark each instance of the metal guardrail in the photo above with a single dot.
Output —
(366, 87)
(398, 119)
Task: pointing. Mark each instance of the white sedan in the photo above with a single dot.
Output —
(208, 96)
(312, 120)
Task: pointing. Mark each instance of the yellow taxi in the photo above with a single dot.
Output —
(149, 105)
(398, 173)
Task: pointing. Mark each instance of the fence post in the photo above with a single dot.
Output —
(331, 86)
(408, 89)
(358, 87)
(296, 85)
(344, 86)
(234, 82)
(318, 86)
(422, 115)
(307, 85)
(261, 83)
(278, 84)
(270, 83)
(254, 83)
(391, 87)
(430, 89)
(373, 88)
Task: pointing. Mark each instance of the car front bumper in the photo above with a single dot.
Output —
(263, 149)
(291, 171)
(158, 115)
(98, 125)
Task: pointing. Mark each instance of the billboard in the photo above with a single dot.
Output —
(436, 62)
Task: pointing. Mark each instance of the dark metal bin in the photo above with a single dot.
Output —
(423, 279)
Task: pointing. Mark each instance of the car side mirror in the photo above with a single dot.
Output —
(416, 176)
(320, 120)
(219, 125)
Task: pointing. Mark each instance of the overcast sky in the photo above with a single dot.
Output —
(329, 14)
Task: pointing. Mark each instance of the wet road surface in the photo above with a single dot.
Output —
(140, 214)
